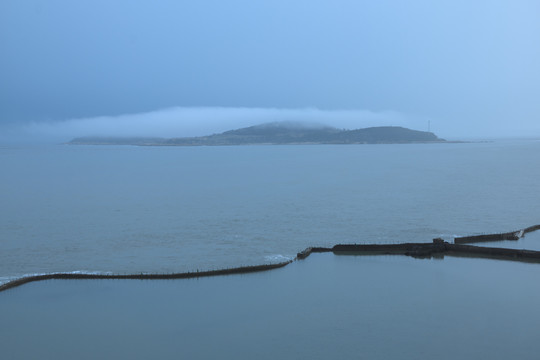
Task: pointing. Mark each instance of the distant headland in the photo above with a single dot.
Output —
(278, 133)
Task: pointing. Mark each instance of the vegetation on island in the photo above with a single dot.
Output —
(279, 133)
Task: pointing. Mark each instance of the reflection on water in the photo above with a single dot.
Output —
(324, 307)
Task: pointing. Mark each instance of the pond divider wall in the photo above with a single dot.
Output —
(437, 249)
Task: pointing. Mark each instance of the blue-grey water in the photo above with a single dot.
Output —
(171, 209)
(326, 307)
(168, 209)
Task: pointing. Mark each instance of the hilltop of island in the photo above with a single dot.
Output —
(279, 133)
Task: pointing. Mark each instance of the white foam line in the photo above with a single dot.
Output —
(6, 279)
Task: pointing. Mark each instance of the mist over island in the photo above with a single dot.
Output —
(393, 143)
(278, 133)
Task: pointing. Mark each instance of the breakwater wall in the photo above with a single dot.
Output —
(513, 235)
(186, 275)
(436, 249)
(439, 249)
(531, 228)
(308, 251)
(418, 250)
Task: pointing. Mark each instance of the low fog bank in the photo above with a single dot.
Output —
(195, 121)
(198, 121)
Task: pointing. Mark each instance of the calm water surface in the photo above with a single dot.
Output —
(328, 306)
(168, 209)
(160, 209)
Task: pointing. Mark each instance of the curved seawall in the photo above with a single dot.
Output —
(186, 275)
(437, 249)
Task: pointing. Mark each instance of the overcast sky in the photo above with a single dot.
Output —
(471, 68)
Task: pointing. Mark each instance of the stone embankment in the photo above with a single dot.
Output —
(437, 249)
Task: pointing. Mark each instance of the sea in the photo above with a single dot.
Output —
(148, 209)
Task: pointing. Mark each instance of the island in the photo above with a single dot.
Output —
(278, 133)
